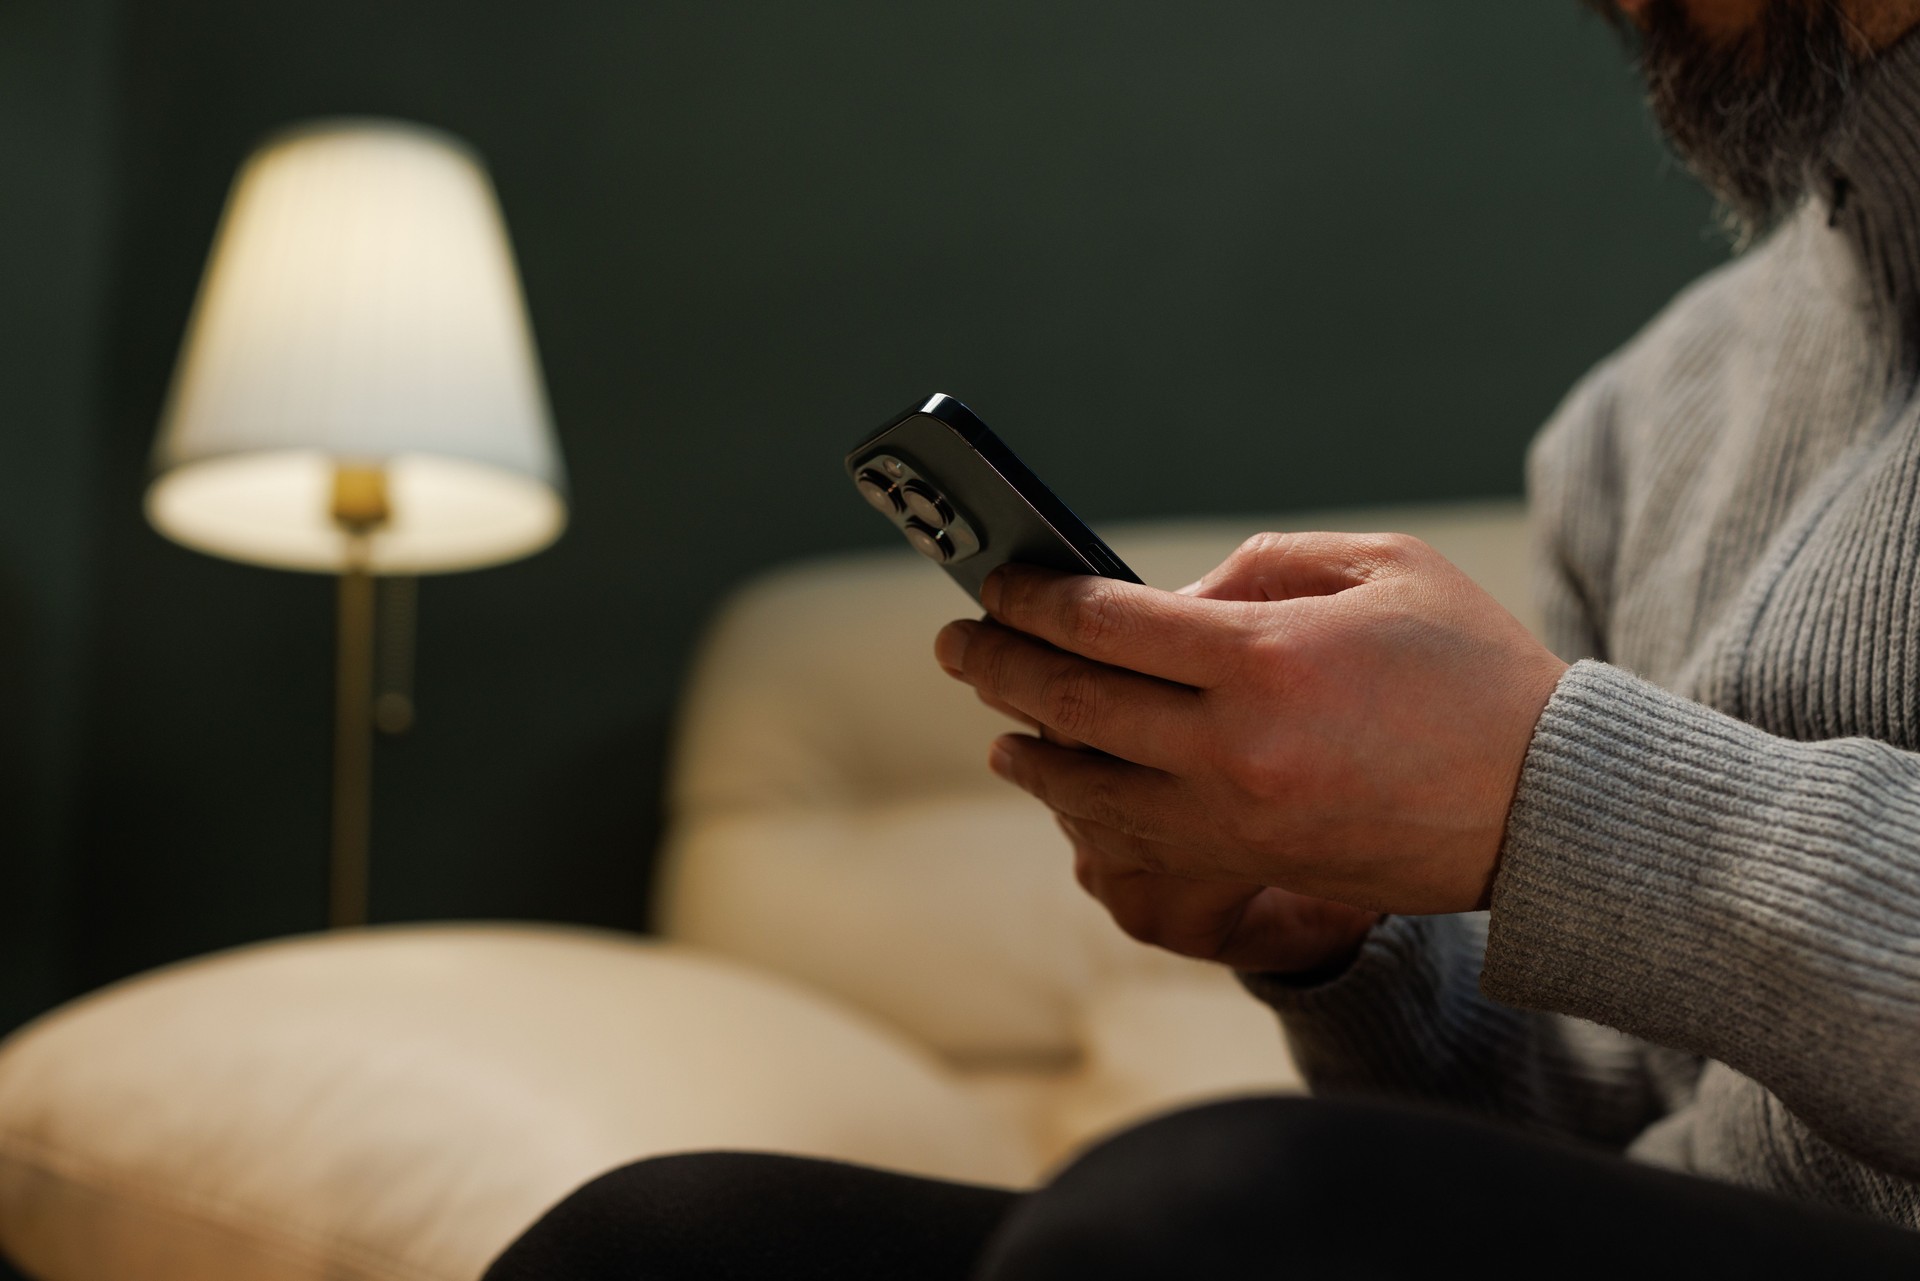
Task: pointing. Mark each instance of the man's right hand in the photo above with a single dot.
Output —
(1251, 928)
(1247, 927)
(1254, 928)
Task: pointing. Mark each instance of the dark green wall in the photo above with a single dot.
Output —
(56, 131)
(1200, 257)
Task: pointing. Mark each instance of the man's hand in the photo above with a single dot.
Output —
(1247, 927)
(1339, 716)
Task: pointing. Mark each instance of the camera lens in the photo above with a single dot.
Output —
(931, 543)
(925, 504)
(882, 493)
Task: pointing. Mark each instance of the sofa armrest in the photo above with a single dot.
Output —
(400, 1103)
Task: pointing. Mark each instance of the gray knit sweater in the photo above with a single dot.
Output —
(1704, 942)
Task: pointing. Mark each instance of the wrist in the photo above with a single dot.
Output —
(1325, 968)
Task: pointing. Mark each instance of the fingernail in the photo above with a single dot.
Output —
(1000, 758)
(950, 646)
(1191, 588)
(990, 590)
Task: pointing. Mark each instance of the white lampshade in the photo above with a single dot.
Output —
(360, 308)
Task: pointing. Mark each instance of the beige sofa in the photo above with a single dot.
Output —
(871, 949)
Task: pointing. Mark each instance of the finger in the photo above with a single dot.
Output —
(1152, 722)
(1269, 567)
(1231, 922)
(1178, 638)
(1008, 710)
(1118, 853)
(1116, 794)
(1194, 917)
(1013, 713)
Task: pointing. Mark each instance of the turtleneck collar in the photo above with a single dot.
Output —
(1868, 188)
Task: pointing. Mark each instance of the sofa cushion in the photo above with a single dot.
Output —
(1148, 1045)
(400, 1103)
(955, 918)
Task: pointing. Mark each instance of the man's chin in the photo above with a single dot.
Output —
(1752, 115)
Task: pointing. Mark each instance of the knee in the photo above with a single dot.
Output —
(642, 1211)
(1222, 1186)
(1292, 1151)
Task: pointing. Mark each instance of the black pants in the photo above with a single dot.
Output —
(1265, 1187)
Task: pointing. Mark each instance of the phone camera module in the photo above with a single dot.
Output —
(917, 509)
(925, 504)
(880, 492)
(929, 542)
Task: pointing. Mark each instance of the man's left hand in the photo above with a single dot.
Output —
(1342, 716)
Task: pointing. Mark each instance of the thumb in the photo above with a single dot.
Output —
(1284, 566)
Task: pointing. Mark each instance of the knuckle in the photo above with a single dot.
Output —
(1263, 782)
(1273, 767)
(1407, 544)
(1371, 549)
(1251, 788)
(1243, 771)
(1248, 834)
(1068, 701)
(1406, 548)
(1106, 806)
(1262, 546)
(1152, 859)
(1016, 595)
(1391, 549)
(994, 658)
(1252, 653)
(1094, 614)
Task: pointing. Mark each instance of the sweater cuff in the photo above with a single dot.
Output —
(1388, 950)
(1624, 877)
(1388, 1018)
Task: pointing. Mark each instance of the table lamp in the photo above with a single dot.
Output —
(358, 394)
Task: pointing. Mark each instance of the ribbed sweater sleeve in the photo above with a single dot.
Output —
(1408, 1020)
(1682, 876)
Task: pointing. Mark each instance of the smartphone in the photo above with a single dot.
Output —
(964, 501)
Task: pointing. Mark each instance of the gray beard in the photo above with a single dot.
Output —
(1751, 119)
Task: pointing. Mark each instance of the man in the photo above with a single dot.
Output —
(1701, 855)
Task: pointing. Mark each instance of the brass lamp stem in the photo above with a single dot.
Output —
(360, 509)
